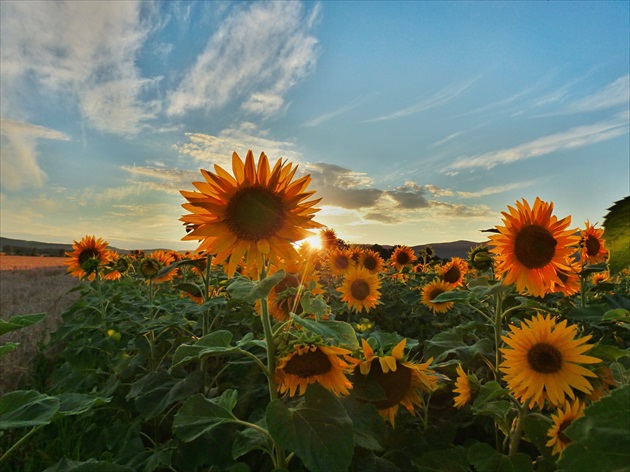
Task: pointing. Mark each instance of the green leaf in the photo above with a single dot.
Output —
(618, 314)
(600, 438)
(217, 342)
(71, 404)
(488, 392)
(617, 235)
(199, 415)
(445, 460)
(499, 410)
(451, 343)
(535, 427)
(20, 321)
(487, 459)
(91, 465)
(153, 393)
(339, 331)
(7, 348)
(319, 432)
(452, 296)
(26, 408)
(369, 428)
(243, 288)
(251, 440)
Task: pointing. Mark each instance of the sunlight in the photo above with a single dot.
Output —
(314, 241)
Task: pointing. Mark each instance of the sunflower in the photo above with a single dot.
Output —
(599, 277)
(257, 212)
(432, 290)
(592, 244)
(328, 238)
(371, 260)
(115, 267)
(86, 257)
(163, 259)
(480, 258)
(402, 256)
(400, 380)
(561, 421)
(310, 363)
(462, 388)
(602, 384)
(542, 361)
(360, 289)
(570, 279)
(340, 260)
(532, 246)
(454, 271)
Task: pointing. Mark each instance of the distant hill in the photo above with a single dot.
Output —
(37, 248)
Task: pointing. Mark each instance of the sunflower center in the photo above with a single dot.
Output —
(435, 292)
(534, 247)
(561, 436)
(395, 384)
(544, 358)
(342, 262)
(403, 258)
(360, 289)
(308, 364)
(592, 246)
(254, 213)
(369, 263)
(452, 275)
(88, 254)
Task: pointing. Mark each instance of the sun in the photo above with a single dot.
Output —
(314, 242)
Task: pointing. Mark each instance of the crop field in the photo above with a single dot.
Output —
(257, 354)
(29, 262)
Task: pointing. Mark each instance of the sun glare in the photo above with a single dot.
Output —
(314, 241)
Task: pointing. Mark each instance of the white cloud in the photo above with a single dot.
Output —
(493, 190)
(18, 144)
(443, 96)
(318, 120)
(614, 94)
(84, 51)
(208, 149)
(255, 56)
(573, 138)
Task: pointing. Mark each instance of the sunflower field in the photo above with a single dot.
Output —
(258, 353)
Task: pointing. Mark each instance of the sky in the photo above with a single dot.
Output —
(419, 122)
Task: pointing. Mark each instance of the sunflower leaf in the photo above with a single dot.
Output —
(339, 331)
(486, 459)
(453, 296)
(319, 432)
(20, 321)
(26, 408)
(600, 438)
(199, 415)
(215, 343)
(617, 235)
(243, 288)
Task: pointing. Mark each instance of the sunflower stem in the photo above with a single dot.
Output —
(498, 319)
(517, 432)
(205, 328)
(10, 451)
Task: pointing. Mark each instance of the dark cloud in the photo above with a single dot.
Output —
(386, 218)
(409, 196)
(343, 187)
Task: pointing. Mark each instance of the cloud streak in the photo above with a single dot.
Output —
(573, 138)
(256, 55)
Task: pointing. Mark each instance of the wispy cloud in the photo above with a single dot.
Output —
(333, 114)
(573, 138)
(495, 189)
(614, 94)
(83, 51)
(209, 149)
(443, 96)
(18, 151)
(258, 53)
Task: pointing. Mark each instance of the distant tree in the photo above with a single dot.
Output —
(34, 251)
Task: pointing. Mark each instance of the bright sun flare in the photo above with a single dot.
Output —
(314, 241)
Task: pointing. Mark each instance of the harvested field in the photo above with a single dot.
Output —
(35, 289)
(29, 262)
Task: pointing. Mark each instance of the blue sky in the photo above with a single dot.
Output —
(419, 122)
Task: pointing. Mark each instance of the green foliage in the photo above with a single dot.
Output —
(600, 439)
(319, 431)
(617, 235)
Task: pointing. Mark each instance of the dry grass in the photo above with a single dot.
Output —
(29, 262)
(34, 290)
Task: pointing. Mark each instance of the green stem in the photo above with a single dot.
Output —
(517, 432)
(260, 364)
(9, 451)
(498, 318)
(260, 429)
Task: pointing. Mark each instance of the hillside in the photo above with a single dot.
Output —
(37, 248)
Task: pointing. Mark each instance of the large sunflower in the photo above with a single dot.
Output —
(310, 363)
(454, 271)
(401, 381)
(592, 243)
(532, 246)
(432, 290)
(402, 256)
(258, 211)
(86, 257)
(542, 361)
(360, 289)
(561, 421)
